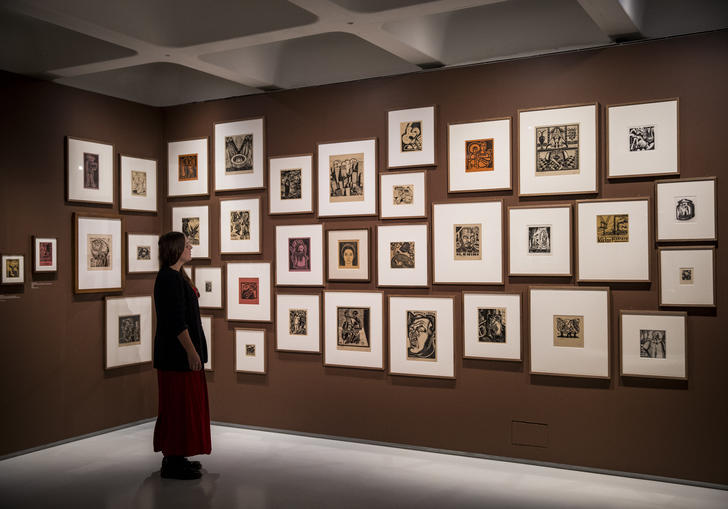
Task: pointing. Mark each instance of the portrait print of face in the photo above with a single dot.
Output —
(90, 171)
(352, 328)
(297, 322)
(138, 183)
(187, 167)
(411, 136)
(467, 241)
(479, 155)
(291, 184)
(422, 335)
(346, 177)
(98, 252)
(45, 254)
(299, 254)
(348, 254)
(248, 290)
(129, 330)
(191, 229)
(144, 253)
(402, 255)
(238, 154)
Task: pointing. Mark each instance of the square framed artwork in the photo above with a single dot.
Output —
(207, 329)
(687, 276)
(142, 253)
(98, 253)
(208, 281)
(479, 156)
(240, 226)
(128, 331)
(250, 356)
(138, 184)
(89, 171)
(300, 255)
(643, 139)
(421, 336)
(403, 195)
(187, 168)
(654, 344)
(347, 178)
(239, 154)
(469, 246)
(290, 184)
(557, 149)
(613, 240)
(539, 240)
(403, 255)
(354, 329)
(194, 222)
(411, 137)
(248, 291)
(686, 210)
(298, 323)
(348, 255)
(45, 254)
(13, 267)
(492, 326)
(570, 331)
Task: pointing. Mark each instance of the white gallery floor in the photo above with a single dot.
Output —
(259, 469)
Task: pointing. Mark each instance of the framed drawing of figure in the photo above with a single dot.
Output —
(298, 323)
(290, 185)
(348, 255)
(354, 329)
(187, 173)
(45, 254)
(347, 178)
(299, 255)
(239, 150)
(128, 331)
(98, 253)
(411, 137)
(89, 171)
(138, 184)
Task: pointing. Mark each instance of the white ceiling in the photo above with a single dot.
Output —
(168, 52)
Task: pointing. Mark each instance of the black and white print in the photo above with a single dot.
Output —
(291, 184)
(129, 330)
(402, 255)
(250, 350)
(684, 209)
(352, 328)
(492, 325)
(403, 195)
(468, 242)
(239, 225)
(539, 239)
(346, 177)
(653, 343)
(98, 252)
(687, 275)
(90, 171)
(297, 322)
(422, 335)
(144, 253)
(138, 183)
(208, 286)
(410, 136)
(569, 331)
(238, 154)
(557, 149)
(191, 229)
(641, 138)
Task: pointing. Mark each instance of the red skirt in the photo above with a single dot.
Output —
(183, 421)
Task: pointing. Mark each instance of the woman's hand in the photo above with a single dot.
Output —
(194, 360)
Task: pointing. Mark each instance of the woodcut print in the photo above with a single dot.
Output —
(687, 275)
(191, 229)
(684, 209)
(403, 195)
(138, 183)
(90, 171)
(468, 242)
(299, 254)
(297, 322)
(143, 253)
(653, 344)
(569, 330)
(98, 251)
(250, 350)
(557, 150)
(346, 177)
(492, 325)
(208, 286)
(348, 254)
(410, 136)
(612, 228)
(422, 335)
(352, 329)
(238, 154)
(539, 240)
(479, 155)
(239, 225)
(402, 255)
(12, 268)
(45, 254)
(291, 184)
(641, 138)
(248, 290)
(130, 330)
(187, 167)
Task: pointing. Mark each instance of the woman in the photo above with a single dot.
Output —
(180, 350)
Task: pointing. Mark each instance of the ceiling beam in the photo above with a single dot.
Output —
(620, 20)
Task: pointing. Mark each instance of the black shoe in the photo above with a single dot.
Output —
(195, 465)
(176, 468)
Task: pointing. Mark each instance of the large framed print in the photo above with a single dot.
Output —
(13, 267)
(206, 321)
(557, 149)
(187, 173)
(347, 178)
(687, 210)
(138, 184)
(613, 240)
(403, 195)
(250, 355)
(570, 331)
(45, 254)
(539, 240)
(403, 255)
(240, 226)
(194, 222)
(492, 326)
(248, 291)
(239, 154)
(687, 276)
(89, 171)
(421, 336)
(290, 184)
(354, 329)
(411, 137)
(643, 139)
(300, 255)
(469, 242)
(98, 253)
(348, 258)
(479, 156)
(142, 253)
(654, 344)
(128, 331)
(298, 323)
(208, 281)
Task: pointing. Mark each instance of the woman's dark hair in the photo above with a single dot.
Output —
(171, 246)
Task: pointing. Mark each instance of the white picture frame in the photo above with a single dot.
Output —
(246, 215)
(411, 137)
(653, 344)
(403, 195)
(187, 168)
(300, 255)
(128, 327)
(13, 269)
(365, 352)
(539, 240)
(194, 222)
(403, 255)
(142, 253)
(98, 253)
(239, 170)
(242, 301)
(208, 281)
(348, 255)
(45, 254)
(138, 178)
(207, 327)
(492, 326)
(686, 210)
(350, 199)
(290, 184)
(697, 290)
(479, 156)
(298, 323)
(89, 171)
(250, 354)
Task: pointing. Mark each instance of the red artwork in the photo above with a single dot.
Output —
(45, 254)
(248, 290)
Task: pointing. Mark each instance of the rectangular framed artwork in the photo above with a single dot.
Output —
(208, 281)
(403, 255)
(687, 276)
(290, 184)
(128, 331)
(207, 329)
(138, 184)
(239, 154)
(492, 326)
(300, 255)
(298, 323)
(403, 195)
(687, 210)
(187, 173)
(45, 254)
(539, 240)
(250, 356)
(98, 253)
(194, 222)
(354, 329)
(347, 178)
(248, 291)
(240, 226)
(89, 171)
(654, 344)
(13, 267)
(479, 155)
(142, 253)
(411, 137)
(348, 255)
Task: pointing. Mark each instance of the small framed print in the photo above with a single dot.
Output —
(240, 226)
(208, 281)
(557, 149)
(194, 222)
(300, 255)
(642, 139)
(89, 171)
(421, 336)
(348, 255)
(98, 253)
(138, 184)
(347, 178)
(403, 195)
(248, 291)
(207, 329)
(492, 326)
(403, 255)
(290, 185)
(13, 267)
(411, 137)
(687, 276)
(128, 331)
(613, 240)
(654, 344)
(354, 329)
(239, 154)
(250, 354)
(142, 253)
(45, 254)
(298, 323)
(479, 156)
(686, 210)
(187, 168)
(539, 240)
(570, 331)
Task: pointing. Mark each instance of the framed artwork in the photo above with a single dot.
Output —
(421, 336)
(13, 267)
(89, 171)
(300, 255)
(207, 329)
(208, 281)
(250, 354)
(570, 331)
(194, 222)
(298, 323)
(248, 291)
(240, 226)
(290, 185)
(687, 276)
(347, 178)
(354, 329)
(492, 326)
(557, 149)
(643, 139)
(403, 255)
(348, 255)
(403, 195)
(98, 253)
(613, 240)
(187, 168)
(142, 253)
(479, 156)
(411, 137)
(128, 331)
(239, 154)
(654, 344)
(469, 246)
(45, 254)
(686, 210)
(138, 184)
(539, 240)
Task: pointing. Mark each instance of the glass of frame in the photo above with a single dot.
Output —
(208, 281)
(98, 253)
(539, 240)
(142, 253)
(248, 291)
(300, 255)
(403, 255)
(240, 226)
(653, 344)
(558, 150)
(570, 331)
(128, 331)
(421, 336)
(687, 276)
(290, 184)
(13, 267)
(187, 168)
(239, 154)
(348, 255)
(207, 329)
(492, 326)
(354, 329)
(250, 354)
(89, 171)
(686, 210)
(45, 254)
(642, 139)
(613, 240)
(403, 195)
(411, 137)
(138, 184)
(347, 178)
(298, 323)
(479, 156)
(194, 222)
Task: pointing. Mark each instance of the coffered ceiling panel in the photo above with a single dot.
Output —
(377, 5)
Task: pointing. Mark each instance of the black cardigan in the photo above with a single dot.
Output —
(175, 303)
